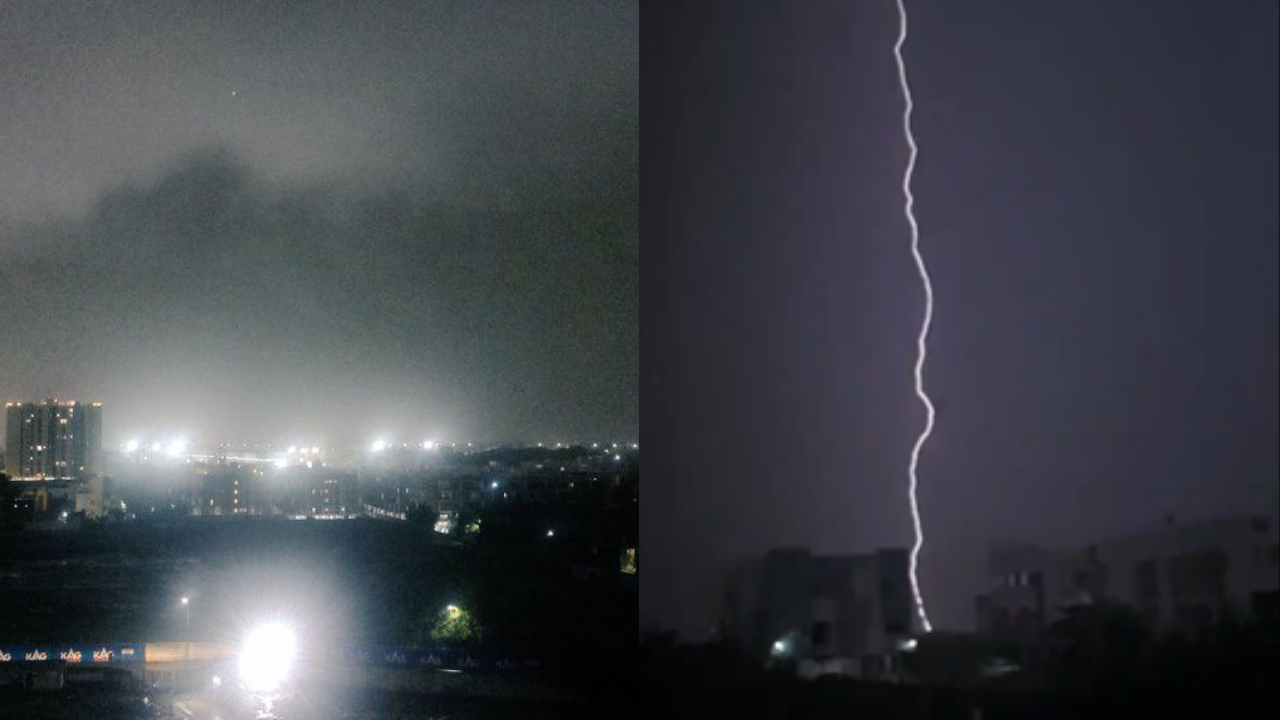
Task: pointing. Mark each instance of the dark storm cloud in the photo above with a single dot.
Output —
(414, 219)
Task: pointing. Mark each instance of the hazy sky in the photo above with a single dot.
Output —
(287, 221)
(1097, 194)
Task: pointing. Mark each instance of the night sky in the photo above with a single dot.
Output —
(323, 222)
(1097, 192)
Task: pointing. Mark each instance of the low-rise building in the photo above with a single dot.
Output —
(1179, 576)
(831, 615)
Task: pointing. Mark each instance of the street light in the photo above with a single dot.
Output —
(186, 605)
(266, 657)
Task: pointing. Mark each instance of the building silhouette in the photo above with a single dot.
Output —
(53, 440)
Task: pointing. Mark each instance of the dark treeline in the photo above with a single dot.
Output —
(1096, 663)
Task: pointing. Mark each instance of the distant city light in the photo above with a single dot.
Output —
(429, 444)
(176, 448)
(494, 485)
(551, 533)
(292, 449)
(131, 446)
(156, 447)
(617, 458)
(378, 445)
(315, 449)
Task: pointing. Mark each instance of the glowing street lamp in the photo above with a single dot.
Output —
(267, 656)
(186, 606)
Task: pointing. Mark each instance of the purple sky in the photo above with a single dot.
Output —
(1097, 195)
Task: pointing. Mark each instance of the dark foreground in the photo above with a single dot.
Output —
(717, 681)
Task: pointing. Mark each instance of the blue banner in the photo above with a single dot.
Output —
(440, 658)
(74, 654)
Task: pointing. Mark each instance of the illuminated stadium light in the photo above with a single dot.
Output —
(267, 656)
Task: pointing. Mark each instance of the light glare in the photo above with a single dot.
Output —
(267, 656)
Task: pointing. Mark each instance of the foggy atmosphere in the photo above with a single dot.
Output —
(1095, 191)
(319, 350)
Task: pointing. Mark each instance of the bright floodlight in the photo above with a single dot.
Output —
(131, 446)
(292, 449)
(177, 448)
(186, 600)
(156, 447)
(267, 656)
(378, 445)
(429, 445)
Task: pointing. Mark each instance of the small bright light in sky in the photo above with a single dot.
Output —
(551, 533)
(494, 485)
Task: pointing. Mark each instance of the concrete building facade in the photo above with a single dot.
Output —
(1178, 576)
(842, 615)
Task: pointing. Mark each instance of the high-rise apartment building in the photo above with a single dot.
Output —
(53, 440)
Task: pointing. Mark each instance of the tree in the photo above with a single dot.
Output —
(454, 625)
(1099, 643)
(422, 513)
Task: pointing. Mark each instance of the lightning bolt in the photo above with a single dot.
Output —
(922, 343)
